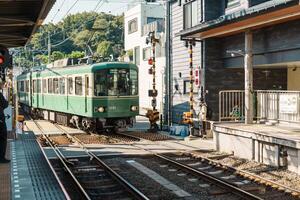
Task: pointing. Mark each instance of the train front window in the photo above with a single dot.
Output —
(116, 82)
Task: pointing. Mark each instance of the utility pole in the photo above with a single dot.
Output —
(248, 62)
(49, 48)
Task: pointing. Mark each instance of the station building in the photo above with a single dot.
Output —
(141, 19)
(231, 36)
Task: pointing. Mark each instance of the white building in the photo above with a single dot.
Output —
(139, 21)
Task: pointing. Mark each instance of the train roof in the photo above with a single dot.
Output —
(41, 71)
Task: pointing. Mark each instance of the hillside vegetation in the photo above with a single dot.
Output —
(78, 35)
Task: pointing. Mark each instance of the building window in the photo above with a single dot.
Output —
(190, 12)
(78, 86)
(232, 3)
(136, 55)
(187, 87)
(132, 26)
(146, 53)
(153, 19)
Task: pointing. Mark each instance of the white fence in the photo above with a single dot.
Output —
(275, 105)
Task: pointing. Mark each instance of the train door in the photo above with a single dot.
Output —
(86, 91)
(31, 90)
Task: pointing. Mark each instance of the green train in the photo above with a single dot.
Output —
(88, 96)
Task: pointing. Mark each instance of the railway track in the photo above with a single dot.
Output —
(90, 177)
(237, 182)
(244, 185)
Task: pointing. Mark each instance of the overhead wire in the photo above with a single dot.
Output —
(58, 10)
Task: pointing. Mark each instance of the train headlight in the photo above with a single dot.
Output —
(101, 109)
(134, 108)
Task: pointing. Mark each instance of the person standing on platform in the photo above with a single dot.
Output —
(3, 129)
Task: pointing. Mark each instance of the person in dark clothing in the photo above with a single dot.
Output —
(3, 129)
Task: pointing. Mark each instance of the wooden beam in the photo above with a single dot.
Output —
(14, 19)
(256, 22)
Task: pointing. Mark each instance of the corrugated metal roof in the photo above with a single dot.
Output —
(19, 19)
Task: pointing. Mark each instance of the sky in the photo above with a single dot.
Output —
(61, 8)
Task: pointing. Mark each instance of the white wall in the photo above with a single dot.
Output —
(136, 39)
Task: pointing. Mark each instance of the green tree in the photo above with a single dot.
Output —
(105, 49)
(56, 55)
(76, 54)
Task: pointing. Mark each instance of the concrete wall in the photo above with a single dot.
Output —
(253, 146)
(136, 39)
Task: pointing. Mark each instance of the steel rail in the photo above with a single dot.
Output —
(246, 174)
(219, 182)
(130, 188)
(63, 161)
(53, 171)
(232, 189)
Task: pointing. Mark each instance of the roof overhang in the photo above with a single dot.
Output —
(252, 19)
(19, 19)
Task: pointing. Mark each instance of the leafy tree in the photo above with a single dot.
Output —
(102, 32)
(56, 55)
(105, 49)
(76, 54)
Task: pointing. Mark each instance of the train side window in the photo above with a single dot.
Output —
(87, 86)
(27, 86)
(70, 85)
(44, 82)
(34, 89)
(22, 86)
(78, 85)
(55, 86)
(62, 86)
(50, 86)
(38, 87)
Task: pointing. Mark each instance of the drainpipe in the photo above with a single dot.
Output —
(168, 65)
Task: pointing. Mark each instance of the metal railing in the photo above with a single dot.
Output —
(231, 105)
(157, 26)
(277, 105)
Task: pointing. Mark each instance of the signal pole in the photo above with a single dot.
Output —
(188, 116)
(49, 48)
(153, 114)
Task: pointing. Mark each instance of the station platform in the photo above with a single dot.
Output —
(28, 175)
(277, 145)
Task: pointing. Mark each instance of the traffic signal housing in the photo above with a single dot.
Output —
(4, 57)
(5, 61)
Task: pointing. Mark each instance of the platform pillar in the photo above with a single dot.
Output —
(248, 77)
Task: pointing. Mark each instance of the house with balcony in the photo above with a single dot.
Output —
(249, 52)
(139, 21)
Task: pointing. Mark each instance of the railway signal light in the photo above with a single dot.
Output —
(197, 77)
(4, 57)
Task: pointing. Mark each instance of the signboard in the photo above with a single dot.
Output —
(288, 103)
(8, 117)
